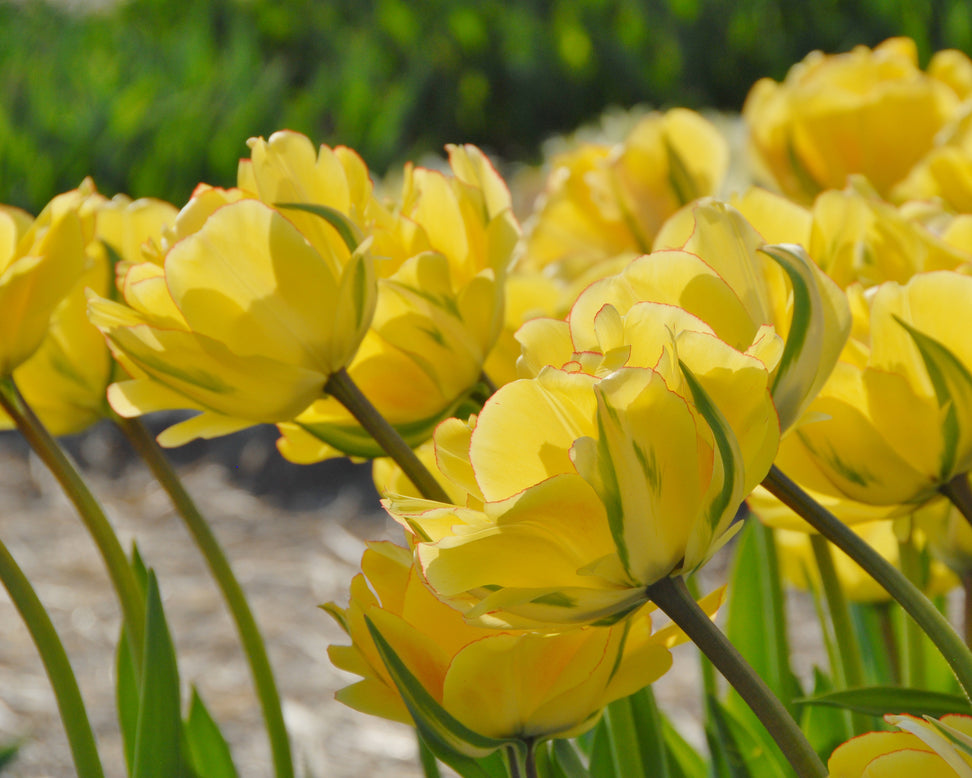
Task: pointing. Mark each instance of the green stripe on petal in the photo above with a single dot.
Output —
(436, 725)
(953, 390)
(347, 229)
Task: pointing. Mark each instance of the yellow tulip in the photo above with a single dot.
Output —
(40, 261)
(832, 117)
(65, 380)
(245, 319)
(945, 172)
(603, 200)
(503, 686)
(797, 563)
(856, 237)
(949, 535)
(773, 286)
(444, 249)
(894, 422)
(935, 749)
(588, 483)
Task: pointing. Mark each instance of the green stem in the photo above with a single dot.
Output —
(913, 664)
(343, 389)
(673, 598)
(915, 603)
(119, 569)
(959, 492)
(513, 759)
(885, 619)
(709, 688)
(250, 638)
(851, 669)
(58, 667)
(430, 767)
(967, 607)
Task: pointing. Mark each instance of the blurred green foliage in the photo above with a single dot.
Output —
(152, 96)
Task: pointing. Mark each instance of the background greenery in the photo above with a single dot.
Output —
(152, 96)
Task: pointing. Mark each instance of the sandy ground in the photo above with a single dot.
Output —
(292, 549)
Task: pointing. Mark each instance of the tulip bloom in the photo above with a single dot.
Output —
(444, 248)
(830, 116)
(586, 484)
(503, 686)
(245, 319)
(926, 747)
(797, 563)
(40, 260)
(894, 422)
(603, 199)
(64, 382)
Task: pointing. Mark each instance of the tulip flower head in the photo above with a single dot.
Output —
(591, 481)
(244, 320)
(442, 254)
(828, 119)
(894, 422)
(40, 261)
(64, 381)
(476, 688)
(941, 748)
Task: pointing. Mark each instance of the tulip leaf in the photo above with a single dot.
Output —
(953, 389)
(629, 739)
(559, 759)
(208, 751)
(744, 754)
(684, 761)
(347, 229)
(879, 700)
(825, 728)
(127, 675)
(449, 739)
(756, 622)
(158, 750)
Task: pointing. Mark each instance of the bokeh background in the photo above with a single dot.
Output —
(152, 96)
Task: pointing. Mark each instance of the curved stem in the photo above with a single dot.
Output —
(80, 737)
(92, 514)
(250, 638)
(913, 666)
(673, 598)
(345, 391)
(915, 603)
(851, 664)
(960, 493)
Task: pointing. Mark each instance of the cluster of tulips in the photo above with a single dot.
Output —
(567, 419)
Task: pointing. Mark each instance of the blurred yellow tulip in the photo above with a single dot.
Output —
(65, 380)
(931, 748)
(831, 116)
(604, 199)
(505, 686)
(40, 261)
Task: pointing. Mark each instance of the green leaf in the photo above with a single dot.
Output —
(747, 754)
(447, 738)
(208, 752)
(158, 744)
(8, 752)
(560, 759)
(126, 697)
(684, 761)
(346, 228)
(825, 728)
(629, 739)
(879, 700)
(874, 628)
(756, 622)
